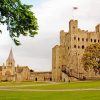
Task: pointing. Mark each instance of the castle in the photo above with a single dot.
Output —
(66, 57)
(10, 72)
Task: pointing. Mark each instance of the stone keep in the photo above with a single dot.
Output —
(70, 51)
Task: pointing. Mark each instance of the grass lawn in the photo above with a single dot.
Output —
(71, 85)
(51, 95)
(79, 95)
(47, 85)
(20, 83)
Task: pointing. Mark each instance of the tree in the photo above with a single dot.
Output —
(91, 57)
(18, 17)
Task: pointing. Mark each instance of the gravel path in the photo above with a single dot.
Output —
(14, 86)
(48, 90)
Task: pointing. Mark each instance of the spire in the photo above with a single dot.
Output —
(10, 57)
(10, 61)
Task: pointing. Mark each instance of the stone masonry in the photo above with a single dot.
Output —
(67, 56)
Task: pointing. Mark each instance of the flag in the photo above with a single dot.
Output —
(75, 8)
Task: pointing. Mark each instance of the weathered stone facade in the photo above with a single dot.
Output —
(41, 76)
(66, 57)
(10, 72)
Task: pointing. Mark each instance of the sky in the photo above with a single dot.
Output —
(53, 16)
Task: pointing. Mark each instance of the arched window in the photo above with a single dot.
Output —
(74, 38)
(82, 39)
(78, 39)
(82, 46)
(94, 40)
(74, 46)
(50, 79)
(78, 46)
(86, 39)
(36, 79)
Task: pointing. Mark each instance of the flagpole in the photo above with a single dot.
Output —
(72, 13)
(73, 10)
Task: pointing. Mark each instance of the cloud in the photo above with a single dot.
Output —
(53, 16)
(56, 14)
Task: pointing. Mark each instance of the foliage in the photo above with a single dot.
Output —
(91, 57)
(18, 17)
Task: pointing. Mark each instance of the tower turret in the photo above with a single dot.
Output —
(62, 37)
(98, 28)
(73, 26)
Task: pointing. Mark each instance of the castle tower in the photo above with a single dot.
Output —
(68, 55)
(73, 26)
(10, 62)
(98, 28)
(58, 61)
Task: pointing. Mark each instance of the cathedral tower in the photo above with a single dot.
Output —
(10, 62)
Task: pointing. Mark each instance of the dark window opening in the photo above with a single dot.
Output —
(94, 46)
(44, 78)
(78, 46)
(94, 40)
(74, 46)
(91, 40)
(82, 46)
(98, 40)
(82, 39)
(50, 79)
(78, 39)
(36, 79)
(74, 38)
(73, 27)
(87, 39)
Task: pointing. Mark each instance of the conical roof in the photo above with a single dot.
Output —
(10, 57)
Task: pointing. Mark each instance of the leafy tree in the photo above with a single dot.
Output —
(91, 57)
(18, 17)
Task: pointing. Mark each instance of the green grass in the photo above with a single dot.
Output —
(20, 83)
(82, 95)
(35, 85)
(53, 95)
(71, 85)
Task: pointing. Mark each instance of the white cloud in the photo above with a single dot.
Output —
(53, 16)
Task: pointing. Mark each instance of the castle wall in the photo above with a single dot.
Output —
(10, 72)
(41, 76)
(58, 60)
(22, 73)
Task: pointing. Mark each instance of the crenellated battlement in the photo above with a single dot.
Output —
(97, 28)
(73, 26)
